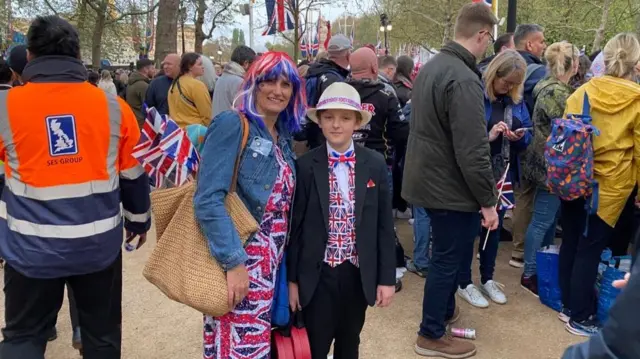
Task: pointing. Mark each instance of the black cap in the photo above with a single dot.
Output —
(17, 58)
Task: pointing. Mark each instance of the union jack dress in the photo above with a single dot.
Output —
(245, 332)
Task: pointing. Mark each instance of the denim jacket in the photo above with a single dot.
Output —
(256, 176)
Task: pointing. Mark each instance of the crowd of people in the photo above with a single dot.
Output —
(372, 135)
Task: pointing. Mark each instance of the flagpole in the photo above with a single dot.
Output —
(504, 179)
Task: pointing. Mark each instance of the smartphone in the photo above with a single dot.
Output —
(523, 130)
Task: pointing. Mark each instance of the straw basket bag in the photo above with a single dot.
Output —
(181, 265)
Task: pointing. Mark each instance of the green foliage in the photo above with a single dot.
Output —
(430, 22)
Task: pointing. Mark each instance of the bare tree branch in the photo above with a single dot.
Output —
(426, 17)
(55, 12)
(133, 13)
(225, 7)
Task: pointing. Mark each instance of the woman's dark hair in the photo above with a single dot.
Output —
(187, 61)
(405, 66)
(51, 35)
(5, 73)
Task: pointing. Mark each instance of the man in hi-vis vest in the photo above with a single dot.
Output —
(71, 186)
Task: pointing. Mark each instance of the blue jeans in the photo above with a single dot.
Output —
(487, 256)
(452, 232)
(422, 232)
(542, 229)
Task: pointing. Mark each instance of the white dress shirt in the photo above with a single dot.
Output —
(341, 171)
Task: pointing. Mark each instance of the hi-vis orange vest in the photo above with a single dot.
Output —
(67, 149)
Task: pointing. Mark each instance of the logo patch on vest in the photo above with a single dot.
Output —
(62, 135)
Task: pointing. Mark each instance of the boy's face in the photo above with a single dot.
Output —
(338, 127)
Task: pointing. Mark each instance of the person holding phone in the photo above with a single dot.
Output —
(509, 127)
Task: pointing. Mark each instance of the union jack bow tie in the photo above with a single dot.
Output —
(349, 158)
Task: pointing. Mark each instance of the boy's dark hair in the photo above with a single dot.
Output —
(384, 61)
(51, 35)
(243, 54)
(501, 41)
(5, 73)
(141, 64)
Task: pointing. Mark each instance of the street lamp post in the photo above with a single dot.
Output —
(385, 27)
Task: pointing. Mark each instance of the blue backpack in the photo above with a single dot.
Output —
(311, 87)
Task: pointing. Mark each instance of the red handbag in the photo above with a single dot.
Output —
(291, 342)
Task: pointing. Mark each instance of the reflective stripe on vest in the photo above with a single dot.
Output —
(57, 231)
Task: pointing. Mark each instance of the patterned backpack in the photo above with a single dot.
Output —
(569, 156)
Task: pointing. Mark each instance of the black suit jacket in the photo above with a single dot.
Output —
(375, 237)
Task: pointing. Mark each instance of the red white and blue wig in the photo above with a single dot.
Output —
(268, 67)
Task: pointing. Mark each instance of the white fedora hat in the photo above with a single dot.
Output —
(339, 96)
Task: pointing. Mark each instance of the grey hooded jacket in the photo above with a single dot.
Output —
(227, 88)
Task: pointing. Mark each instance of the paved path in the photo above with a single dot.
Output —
(156, 328)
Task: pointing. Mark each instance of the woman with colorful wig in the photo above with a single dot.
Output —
(273, 101)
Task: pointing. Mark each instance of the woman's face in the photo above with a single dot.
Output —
(504, 85)
(273, 96)
(197, 69)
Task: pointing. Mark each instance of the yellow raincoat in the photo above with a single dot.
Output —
(615, 108)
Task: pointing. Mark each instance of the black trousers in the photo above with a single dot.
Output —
(579, 258)
(336, 312)
(32, 305)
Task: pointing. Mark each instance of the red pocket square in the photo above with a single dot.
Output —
(370, 184)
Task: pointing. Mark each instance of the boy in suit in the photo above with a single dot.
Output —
(341, 253)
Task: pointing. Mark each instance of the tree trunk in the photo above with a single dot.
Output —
(597, 41)
(98, 30)
(82, 17)
(200, 35)
(166, 29)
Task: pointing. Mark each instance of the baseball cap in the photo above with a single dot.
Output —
(17, 58)
(339, 43)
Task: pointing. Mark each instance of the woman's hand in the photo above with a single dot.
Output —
(294, 298)
(496, 130)
(237, 285)
(514, 135)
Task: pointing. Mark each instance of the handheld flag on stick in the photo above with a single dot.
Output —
(504, 188)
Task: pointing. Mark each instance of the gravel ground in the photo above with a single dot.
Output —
(156, 328)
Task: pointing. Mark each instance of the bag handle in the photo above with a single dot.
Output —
(244, 123)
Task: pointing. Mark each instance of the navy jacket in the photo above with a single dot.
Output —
(533, 79)
(157, 93)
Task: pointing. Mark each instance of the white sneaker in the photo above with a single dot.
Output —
(494, 291)
(472, 295)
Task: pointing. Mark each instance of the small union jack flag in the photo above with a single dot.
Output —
(165, 151)
(505, 188)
